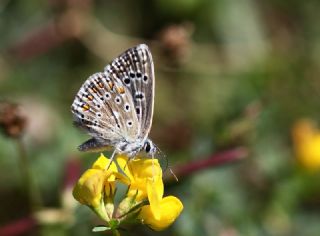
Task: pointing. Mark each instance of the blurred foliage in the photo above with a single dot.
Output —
(228, 74)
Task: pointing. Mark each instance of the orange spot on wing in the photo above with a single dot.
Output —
(120, 90)
(110, 85)
(85, 107)
(101, 85)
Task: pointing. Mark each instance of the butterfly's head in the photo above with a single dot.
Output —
(149, 147)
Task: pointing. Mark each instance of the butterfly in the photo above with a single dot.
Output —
(115, 106)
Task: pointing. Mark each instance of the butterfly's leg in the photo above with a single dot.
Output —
(153, 168)
(111, 159)
(131, 156)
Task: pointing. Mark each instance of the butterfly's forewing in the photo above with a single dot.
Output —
(104, 108)
(135, 68)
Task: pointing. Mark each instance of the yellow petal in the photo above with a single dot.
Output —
(170, 209)
(144, 168)
(139, 172)
(139, 168)
(123, 164)
(102, 162)
(109, 188)
(155, 192)
(122, 178)
(88, 190)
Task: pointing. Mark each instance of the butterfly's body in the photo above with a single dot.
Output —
(116, 106)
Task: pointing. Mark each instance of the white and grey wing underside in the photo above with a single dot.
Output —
(117, 104)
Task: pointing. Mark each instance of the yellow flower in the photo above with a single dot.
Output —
(144, 177)
(96, 183)
(97, 187)
(88, 190)
(306, 139)
(169, 209)
(110, 182)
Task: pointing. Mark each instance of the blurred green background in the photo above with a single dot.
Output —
(229, 74)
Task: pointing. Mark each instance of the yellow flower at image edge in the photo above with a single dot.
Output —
(306, 139)
(169, 209)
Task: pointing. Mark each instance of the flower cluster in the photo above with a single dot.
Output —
(143, 202)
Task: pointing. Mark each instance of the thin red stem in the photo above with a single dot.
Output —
(214, 160)
(18, 227)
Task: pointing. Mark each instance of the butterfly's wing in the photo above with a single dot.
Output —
(104, 108)
(135, 69)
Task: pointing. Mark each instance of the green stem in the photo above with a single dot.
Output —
(28, 183)
(101, 212)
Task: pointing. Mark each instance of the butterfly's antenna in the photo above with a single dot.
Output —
(174, 175)
(163, 155)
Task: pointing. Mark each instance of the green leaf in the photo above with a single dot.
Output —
(100, 228)
(114, 224)
(136, 207)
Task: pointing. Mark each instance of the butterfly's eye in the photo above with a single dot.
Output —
(147, 147)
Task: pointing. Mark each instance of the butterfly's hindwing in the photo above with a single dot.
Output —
(135, 68)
